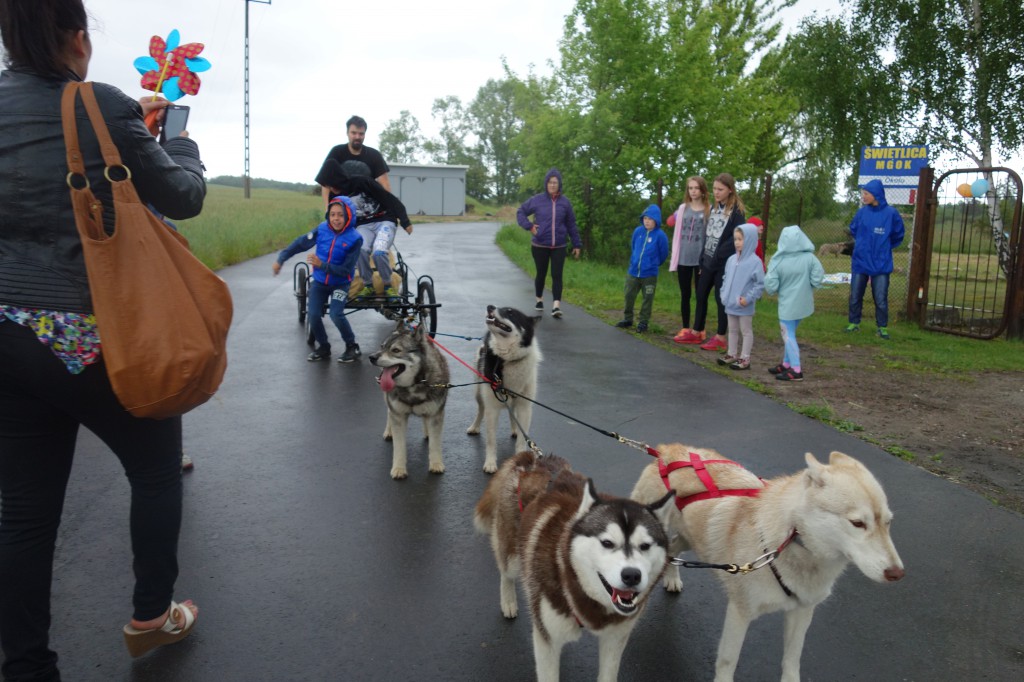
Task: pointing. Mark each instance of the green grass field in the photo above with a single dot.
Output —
(599, 289)
(232, 229)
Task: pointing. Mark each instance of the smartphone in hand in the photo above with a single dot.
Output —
(175, 121)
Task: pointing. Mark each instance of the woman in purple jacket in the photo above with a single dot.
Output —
(553, 222)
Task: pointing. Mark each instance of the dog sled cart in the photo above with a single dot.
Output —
(415, 305)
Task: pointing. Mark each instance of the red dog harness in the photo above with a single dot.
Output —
(699, 468)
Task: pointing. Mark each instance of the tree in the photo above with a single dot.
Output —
(452, 148)
(657, 89)
(495, 119)
(401, 140)
(950, 74)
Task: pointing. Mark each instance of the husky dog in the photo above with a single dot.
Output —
(585, 561)
(509, 354)
(819, 521)
(414, 379)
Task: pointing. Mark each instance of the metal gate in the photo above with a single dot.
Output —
(966, 269)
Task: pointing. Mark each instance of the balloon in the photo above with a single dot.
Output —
(964, 190)
(979, 187)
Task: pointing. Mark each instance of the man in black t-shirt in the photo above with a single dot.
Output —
(355, 150)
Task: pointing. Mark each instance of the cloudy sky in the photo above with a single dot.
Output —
(314, 63)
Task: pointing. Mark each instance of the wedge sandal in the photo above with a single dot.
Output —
(140, 642)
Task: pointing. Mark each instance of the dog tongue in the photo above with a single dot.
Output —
(387, 379)
(619, 595)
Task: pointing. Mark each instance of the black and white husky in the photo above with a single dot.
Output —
(509, 354)
(414, 378)
(585, 561)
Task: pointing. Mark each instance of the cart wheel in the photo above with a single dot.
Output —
(310, 339)
(403, 272)
(300, 284)
(425, 305)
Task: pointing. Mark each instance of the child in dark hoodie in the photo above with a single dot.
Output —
(742, 285)
(650, 250)
(877, 229)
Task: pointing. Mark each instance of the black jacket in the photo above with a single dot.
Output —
(41, 264)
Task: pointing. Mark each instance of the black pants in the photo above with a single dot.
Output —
(710, 278)
(687, 276)
(41, 408)
(541, 257)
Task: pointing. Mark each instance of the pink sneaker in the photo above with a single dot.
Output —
(690, 337)
(715, 344)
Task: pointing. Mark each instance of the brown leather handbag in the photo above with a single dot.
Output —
(163, 316)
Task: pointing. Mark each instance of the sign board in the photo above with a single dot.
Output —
(896, 167)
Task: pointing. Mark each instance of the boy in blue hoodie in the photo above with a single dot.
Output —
(877, 229)
(742, 285)
(650, 250)
(337, 249)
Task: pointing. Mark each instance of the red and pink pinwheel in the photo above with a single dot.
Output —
(171, 68)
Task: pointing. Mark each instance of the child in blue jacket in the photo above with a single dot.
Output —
(650, 250)
(337, 245)
(877, 229)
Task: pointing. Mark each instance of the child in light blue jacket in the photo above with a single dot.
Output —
(794, 272)
(650, 250)
(742, 285)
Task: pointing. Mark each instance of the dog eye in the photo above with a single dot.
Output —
(607, 544)
(645, 546)
(858, 524)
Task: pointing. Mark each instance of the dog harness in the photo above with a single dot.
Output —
(699, 467)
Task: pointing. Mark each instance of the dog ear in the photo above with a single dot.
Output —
(817, 473)
(589, 498)
(662, 510)
(842, 459)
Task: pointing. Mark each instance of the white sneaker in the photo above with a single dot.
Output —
(186, 462)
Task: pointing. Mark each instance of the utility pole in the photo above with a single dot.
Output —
(247, 180)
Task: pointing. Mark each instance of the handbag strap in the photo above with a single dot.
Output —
(108, 149)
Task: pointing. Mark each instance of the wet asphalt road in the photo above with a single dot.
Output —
(309, 563)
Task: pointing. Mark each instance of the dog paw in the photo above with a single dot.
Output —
(490, 467)
(673, 584)
(510, 611)
(437, 468)
(399, 473)
(387, 436)
(472, 431)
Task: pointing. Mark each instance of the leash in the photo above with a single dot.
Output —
(766, 559)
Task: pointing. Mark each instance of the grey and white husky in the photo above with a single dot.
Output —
(509, 354)
(414, 378)
(585, 561)
(819, 520)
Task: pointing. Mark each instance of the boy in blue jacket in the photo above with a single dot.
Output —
(337, 245)
(650, 250)
(877, 229)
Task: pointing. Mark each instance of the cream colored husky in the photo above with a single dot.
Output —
(821, 519)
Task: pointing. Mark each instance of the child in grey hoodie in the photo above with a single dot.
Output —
(742, 285)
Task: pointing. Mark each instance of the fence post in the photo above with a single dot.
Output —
(921, 248)
(766, 206)
(1015, 313)
(661, 186)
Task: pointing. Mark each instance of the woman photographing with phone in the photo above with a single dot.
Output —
(52, 374)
